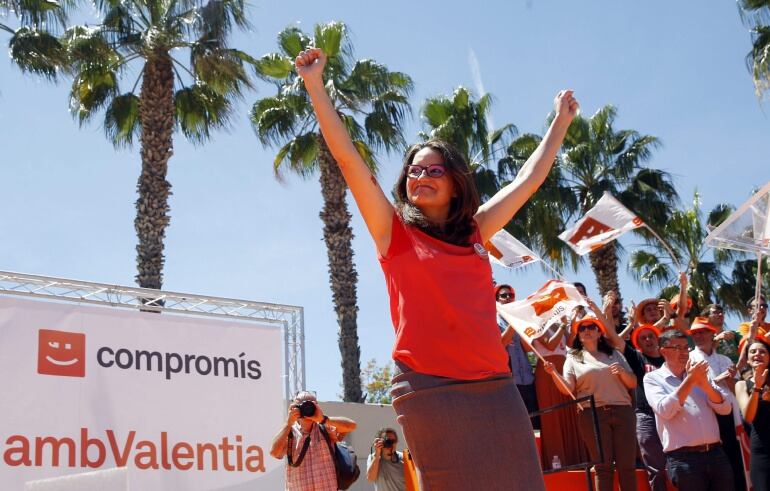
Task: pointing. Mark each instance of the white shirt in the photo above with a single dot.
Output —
(693, 423)
(718, 364)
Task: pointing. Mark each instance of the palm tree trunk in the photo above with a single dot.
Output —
(342, 274)
(604, 263)
(156, 113)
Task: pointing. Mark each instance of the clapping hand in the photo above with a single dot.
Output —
(698, 371)
(616, 369)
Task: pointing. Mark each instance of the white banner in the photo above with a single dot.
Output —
(533, 316)
(505, 250)
(182, 402)
(603, 223)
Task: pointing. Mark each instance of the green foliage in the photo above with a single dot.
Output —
(685, 231)
(742, 284)
(37, 51)
(34, 47)
(375, 382)
(756, 16)
(372, 101)
(206, 84)
(596, 158)
(461, 120)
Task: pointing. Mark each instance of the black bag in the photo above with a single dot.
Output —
(344, 461)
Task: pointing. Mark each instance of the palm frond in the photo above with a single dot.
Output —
(300, 154)
(221, 70)
(277, 118)
(121, 120)
(199, 110)
(292, 40)
(37, 52)
(274, 66)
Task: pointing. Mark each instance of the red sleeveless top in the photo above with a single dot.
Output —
(442, 303)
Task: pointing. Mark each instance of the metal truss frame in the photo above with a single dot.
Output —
(289, 318)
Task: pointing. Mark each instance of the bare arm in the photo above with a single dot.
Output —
(631, 324)
(554, 340)
(507, 336)
(555, 375)
(750, 402)
(605, 318)
(375, 208)
(499, 210)
(373, 469)
(281, 439)
(680, 322)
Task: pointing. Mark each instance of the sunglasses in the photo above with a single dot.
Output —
(504, 296)
(435, 171)
(588, 327)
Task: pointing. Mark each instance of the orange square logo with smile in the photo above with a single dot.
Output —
(61, 353)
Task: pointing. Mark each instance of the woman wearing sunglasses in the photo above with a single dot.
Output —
(462, 417)
(594, 367)
(753, 397)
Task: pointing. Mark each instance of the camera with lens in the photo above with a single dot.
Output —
(306, 409)
(387, 442)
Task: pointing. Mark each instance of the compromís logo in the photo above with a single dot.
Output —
(61, 353)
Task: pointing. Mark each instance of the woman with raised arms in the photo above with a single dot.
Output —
(462, 417)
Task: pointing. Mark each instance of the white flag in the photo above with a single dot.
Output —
(505, 250)
(603, 223)
(747, 228)
(533, 316)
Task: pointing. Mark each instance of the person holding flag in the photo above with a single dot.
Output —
(517, 349)
(450, 364)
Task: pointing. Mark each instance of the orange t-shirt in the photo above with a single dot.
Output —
(442, 303)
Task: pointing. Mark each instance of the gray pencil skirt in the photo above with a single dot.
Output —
(466, 435)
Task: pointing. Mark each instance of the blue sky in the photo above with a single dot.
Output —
(675, 70)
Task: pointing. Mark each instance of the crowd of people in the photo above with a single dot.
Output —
(683, 387)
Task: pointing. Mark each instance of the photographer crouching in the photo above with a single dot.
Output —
(385, 465)
(302, 440)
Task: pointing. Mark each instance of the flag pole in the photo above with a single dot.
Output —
(559, 380)
(558, 275)
(663, 242)
(758, 287)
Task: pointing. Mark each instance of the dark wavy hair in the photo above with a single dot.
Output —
(459, 224)
(602, 345)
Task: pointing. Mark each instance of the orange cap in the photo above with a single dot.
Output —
(701, 323)
(638, 330)
(640, 308)
(761, 336)
(588, 320)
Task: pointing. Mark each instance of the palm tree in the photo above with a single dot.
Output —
(685, 231)
(741, 286)
(361, 90)
(463, 121)
(166, 93)
(598, 158)
(33, 46)
(538, 222)
(756, 15)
